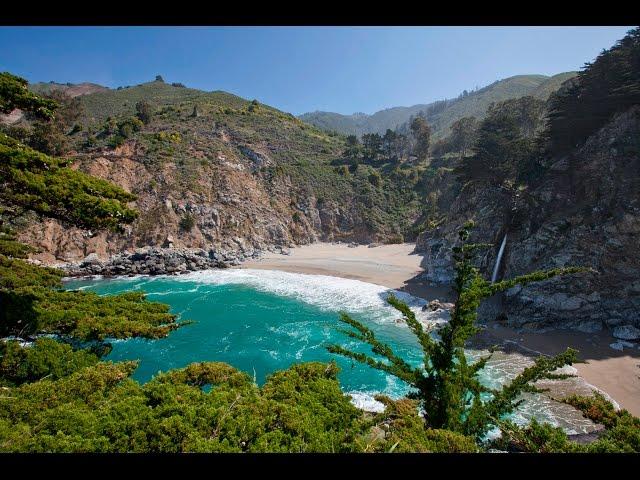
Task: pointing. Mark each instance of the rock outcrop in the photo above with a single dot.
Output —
(233, 209)
(585, 211)
(156, 261)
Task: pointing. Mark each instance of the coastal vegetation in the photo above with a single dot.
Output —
(58, 394)
(447, 386)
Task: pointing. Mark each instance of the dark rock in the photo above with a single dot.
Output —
(627, 332)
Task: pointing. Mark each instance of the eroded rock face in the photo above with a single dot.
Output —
(586, 211)
(234, 209)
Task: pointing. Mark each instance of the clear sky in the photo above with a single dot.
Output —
(301, 69)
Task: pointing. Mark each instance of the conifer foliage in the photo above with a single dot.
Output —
(447, 386)
(609, 85)
(31, 301)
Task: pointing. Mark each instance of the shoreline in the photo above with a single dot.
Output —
(396, 266)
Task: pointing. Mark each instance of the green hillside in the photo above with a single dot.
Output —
(228, 128)
(476, 103)
(70, 89)
(115, 103)
(440, 114)
(551, 85)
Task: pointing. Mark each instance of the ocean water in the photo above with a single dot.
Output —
(260, 321)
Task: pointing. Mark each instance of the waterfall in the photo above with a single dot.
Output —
(500, 252)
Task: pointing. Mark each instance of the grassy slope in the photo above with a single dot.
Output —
(301, 152)
(552, 84)
(42, 88)
(474, 104)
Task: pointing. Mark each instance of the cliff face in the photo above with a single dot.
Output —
(585, 211)
(233, 208)
(215, 171)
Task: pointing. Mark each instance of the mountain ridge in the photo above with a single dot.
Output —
(474, 103)
(70, 89)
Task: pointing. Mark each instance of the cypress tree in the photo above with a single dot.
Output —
(447, 386)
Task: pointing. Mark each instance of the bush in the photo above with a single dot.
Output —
(117, 141)
(375, 179)
(343, 170)
(127, 127)
(187, 222)
(253, 106)
(91, 141)
(45, 358)
(143, 111)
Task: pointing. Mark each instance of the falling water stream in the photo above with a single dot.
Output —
(500, 252)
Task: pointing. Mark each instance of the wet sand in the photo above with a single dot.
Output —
(395, 266)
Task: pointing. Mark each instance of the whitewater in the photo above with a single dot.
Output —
(260, 321)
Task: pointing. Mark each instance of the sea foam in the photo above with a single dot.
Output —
(325, 292)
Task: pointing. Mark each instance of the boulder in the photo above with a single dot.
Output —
(91, 259)
(168, 243)
(626, 332)
(436, 304)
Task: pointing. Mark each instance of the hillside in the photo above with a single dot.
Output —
(566, 198)
(551, 85)
(440, 114)
(214, 170)
(72, 90)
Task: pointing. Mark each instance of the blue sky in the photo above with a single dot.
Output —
(301, 69)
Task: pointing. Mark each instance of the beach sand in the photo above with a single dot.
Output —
(395, 266)
(387, 265)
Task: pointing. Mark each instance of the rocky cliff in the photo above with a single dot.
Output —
(232, 210)
(584, 211)
(216, 172)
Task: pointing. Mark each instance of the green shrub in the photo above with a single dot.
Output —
(117, 141)
(375, 179)
(45, 358)
(343, 170)
(187, 222)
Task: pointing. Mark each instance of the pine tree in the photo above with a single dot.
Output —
(422, 134)
(609, 85)
(31, 296)
(447, 386)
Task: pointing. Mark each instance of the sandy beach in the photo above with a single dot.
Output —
(387, 265)
(395, 266)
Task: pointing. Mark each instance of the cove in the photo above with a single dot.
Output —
(260, 321)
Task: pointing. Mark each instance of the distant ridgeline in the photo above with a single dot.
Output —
(443, 113)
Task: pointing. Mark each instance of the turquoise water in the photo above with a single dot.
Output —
(260, 321)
